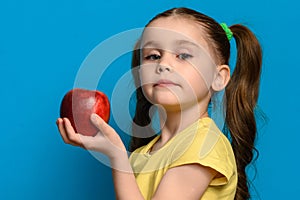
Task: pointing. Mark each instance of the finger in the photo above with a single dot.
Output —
(100, 124)
(62, 131)
(59, 124)
(58, 121)
(106, 131)
(71, 136)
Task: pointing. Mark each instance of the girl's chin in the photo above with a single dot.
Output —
(166, 101)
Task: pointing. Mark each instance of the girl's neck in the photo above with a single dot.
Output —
(174, 121)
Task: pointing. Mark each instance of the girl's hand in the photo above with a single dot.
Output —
(107, 141)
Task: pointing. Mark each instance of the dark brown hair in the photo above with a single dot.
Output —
(241, 91)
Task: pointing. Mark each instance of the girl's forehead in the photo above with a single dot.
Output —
(174, 30)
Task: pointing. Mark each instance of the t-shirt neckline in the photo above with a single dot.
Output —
(150, 145)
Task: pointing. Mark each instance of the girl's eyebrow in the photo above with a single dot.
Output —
(177, 42)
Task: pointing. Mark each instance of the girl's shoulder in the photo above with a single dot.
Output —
(203, 137)
(210, 138)
(206, 145)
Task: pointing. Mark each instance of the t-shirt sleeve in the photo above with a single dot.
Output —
(211, 150)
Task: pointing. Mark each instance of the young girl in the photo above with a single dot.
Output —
(179, 64)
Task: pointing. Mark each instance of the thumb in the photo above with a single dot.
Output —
(99, 123)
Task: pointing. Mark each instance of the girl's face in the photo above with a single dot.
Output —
(176, 68)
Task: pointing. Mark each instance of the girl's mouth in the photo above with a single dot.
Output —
(164, 83)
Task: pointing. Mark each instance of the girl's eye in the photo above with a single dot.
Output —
(184, 56)
(152, 57)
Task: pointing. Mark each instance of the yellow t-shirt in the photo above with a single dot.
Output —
(203, 143)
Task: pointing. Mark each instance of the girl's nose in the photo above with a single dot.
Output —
(162, 68)
(166, 63)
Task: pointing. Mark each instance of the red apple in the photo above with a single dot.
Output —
(78, 105)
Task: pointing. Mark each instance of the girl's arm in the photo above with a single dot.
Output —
(183, 182)
(187, 182)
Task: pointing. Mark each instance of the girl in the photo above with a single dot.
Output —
(179, 64)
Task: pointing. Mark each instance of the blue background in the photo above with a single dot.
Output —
(42, 45)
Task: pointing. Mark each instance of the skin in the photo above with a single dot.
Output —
(182, 101)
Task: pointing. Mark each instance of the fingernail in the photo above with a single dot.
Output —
(93, 116)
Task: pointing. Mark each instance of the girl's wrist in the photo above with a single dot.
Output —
(120, 162)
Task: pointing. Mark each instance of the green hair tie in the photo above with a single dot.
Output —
(227, 30)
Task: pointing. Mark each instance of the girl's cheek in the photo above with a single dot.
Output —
(147, 71)
(147, 91)
(145, 76)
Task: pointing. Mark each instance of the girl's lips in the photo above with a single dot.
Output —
(164, 83)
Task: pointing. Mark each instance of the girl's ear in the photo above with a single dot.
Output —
(222, 78)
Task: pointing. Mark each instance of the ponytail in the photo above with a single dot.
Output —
(241, 98)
